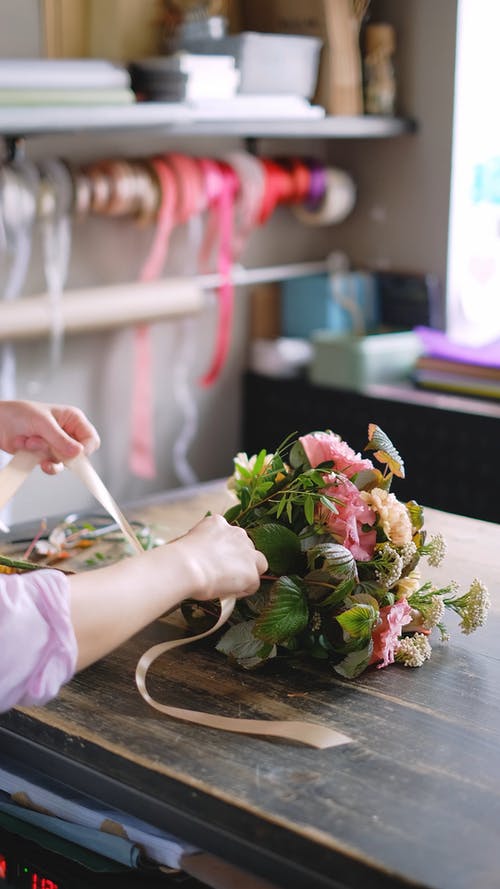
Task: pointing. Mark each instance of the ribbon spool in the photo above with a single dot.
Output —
(338, 200)
(191, 204)
(141, 455)
(55, 203)
(312, 734)
(249, 197)
(18, 190)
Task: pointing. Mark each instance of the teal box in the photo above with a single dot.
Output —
(345, 302)
(354, 362)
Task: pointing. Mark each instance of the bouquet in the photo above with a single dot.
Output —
(344, 583)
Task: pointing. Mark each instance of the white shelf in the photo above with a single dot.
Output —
(177, 119)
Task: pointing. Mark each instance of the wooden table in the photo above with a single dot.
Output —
(413, 801)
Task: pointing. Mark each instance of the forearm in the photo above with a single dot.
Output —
(111, 604)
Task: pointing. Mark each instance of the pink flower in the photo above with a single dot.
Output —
(323, 446)
(346, 525)
(386, 634)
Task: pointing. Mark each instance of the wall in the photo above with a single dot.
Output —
(400, 222)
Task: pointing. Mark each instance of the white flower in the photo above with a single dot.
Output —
(434, 612)
(475, 611)
(436, 550)
(413, 651)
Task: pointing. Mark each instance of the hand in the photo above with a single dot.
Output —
(57, 432)
(221, 559)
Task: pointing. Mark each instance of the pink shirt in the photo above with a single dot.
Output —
(38, 647)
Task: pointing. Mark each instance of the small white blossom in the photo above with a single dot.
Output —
(436, 550)
(316, 621)
(434, 612)
(413, 651)
(407, 553)
(389, 566)
(475, 611)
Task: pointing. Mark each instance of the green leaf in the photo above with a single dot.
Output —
(243, 470)
(289, 511)
(358, 620)
(416, 514)
(326, 501)
(355, 663)
(287, 613)
(298, 456)
(335, 559)
(280, 546)
(259, 463)
(21, 564)
(281, 506)
(345, 588)
(240, 644)
(385, 452)
(232, 513)
(309, 509)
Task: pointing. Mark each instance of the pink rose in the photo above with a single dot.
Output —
(386, 634)
(323, 446)
(346, 524)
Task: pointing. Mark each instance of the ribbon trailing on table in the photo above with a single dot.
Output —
(12, 477)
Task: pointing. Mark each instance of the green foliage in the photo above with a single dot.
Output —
(241, 646)
(287, 612)
(280, 546)
(334, 559)
(358, 620)
(355, 663)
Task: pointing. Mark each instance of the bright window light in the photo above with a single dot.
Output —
(473, 298)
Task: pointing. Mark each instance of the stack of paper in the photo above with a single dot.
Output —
(452, 367)
(64, 82)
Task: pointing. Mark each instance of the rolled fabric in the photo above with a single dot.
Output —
(338, 201)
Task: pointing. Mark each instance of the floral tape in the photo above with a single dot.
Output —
(11, 479)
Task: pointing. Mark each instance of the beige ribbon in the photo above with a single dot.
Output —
(12, 477)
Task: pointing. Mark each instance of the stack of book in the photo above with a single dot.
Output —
(25, 82)
(461, 369)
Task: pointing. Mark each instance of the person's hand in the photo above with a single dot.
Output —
(221, 559)
(56, 432)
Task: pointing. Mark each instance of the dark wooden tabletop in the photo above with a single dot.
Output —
(413, 801)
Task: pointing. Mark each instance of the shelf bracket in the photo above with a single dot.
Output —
(14, 149)
(251, 145)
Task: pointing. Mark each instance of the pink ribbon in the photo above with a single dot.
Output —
(142, 452)
(221, 186)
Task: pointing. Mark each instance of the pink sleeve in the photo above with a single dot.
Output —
(38, 648)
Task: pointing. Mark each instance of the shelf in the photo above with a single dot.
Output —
(176, 119)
